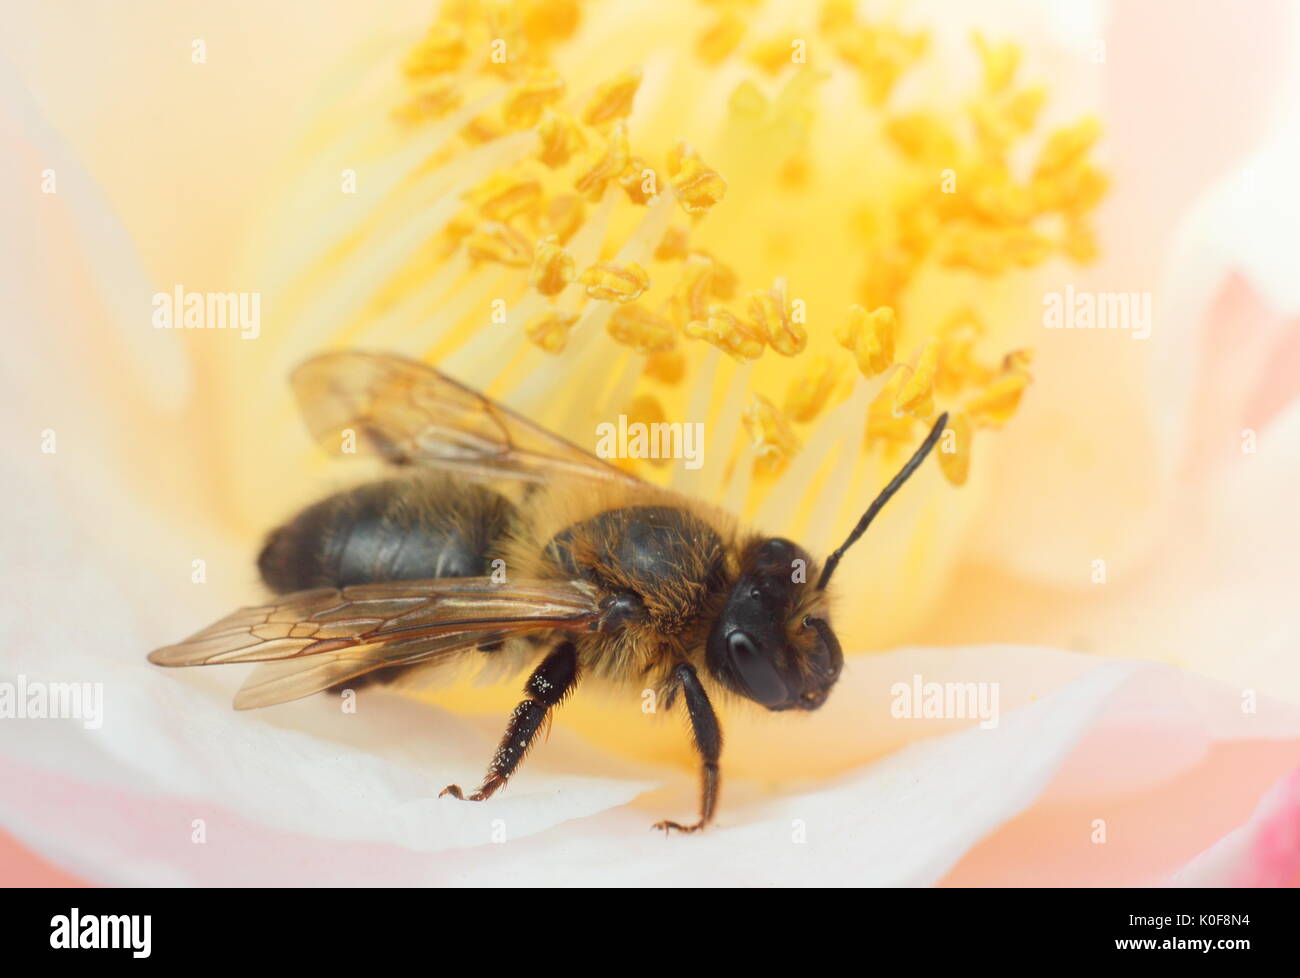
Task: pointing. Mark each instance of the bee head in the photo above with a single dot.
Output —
(772, 642)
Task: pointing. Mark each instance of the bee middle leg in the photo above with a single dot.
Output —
(546, 687)
(708, 741)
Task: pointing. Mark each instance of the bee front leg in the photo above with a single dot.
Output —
(708, 741)
(546, 687)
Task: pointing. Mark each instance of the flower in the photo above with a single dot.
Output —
(174, 448)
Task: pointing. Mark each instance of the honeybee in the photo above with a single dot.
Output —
(597, 574)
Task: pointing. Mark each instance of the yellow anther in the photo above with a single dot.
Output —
(869, 336)
(550, 330)
(612, 100)
(888, 273)
(640, 182)
(443, 49)
(674, 245)
(698, 186)
(561, 137)
(1067, 146)
(431, 104)
(614, 282)
(562, 217)
(724, 282)
(1024, 106)
(924, 138)
(503, 197)
(954, 449)
(493, 241)
(552, 268)
(1000, 62)
(1018, 360)
(609, 166)
(774, 440)
(641, 329)
(720, 38)
(482, 129)
(729, 333)
(690, 299)
(771, 313)
(916, 395)
(881, 55)
(773, 54)
(524, 106)
(837, 16)
(885, 426)
(810, 392)
(668, 367)
(994, 406)
(544, 22)
(1073, 191)
(958, 367)
(796, 170)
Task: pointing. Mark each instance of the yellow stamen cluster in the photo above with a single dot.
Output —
(955, 199)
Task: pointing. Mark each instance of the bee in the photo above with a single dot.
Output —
(589, 572)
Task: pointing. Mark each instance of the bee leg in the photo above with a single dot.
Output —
(708, 741)
(546, 687)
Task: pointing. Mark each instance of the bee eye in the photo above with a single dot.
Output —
(755, 669)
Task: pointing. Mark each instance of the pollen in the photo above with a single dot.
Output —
(869, 336)
(503, 197)
(609, 165)
(523, 108)
(641, 329)
(614, 282)
(720, 38)
(493, 241)
(443, 49)
(954, 450)
(994, 406)
(803, 190)
(771, 313)
(552, 268)
(729, 333)
(561, 138)
(699, 188)
(915, 396)
(773, 438)
(810, 392)
(612, 100)
(550, 330)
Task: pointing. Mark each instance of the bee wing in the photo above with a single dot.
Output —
(406, 412)
(389, 622)
(283, 680)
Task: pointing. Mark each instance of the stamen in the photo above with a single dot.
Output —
(613, 282)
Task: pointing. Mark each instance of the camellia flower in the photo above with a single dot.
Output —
(811, 229)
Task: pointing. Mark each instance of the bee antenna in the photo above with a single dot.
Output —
(886, 494)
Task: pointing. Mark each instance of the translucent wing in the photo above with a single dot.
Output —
(407, 412)
(321, 637)
(289, 679)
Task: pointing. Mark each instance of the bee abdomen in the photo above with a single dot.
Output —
(396, 530)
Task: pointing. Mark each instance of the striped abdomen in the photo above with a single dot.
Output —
(419, 526)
